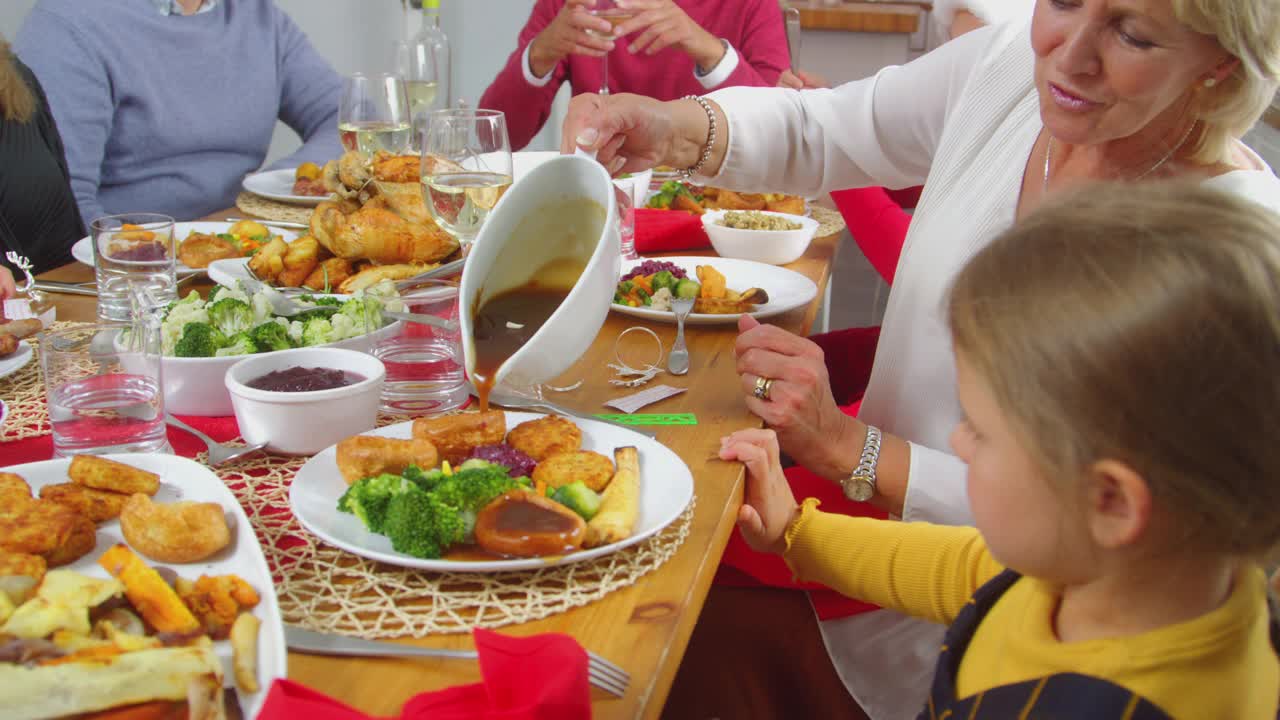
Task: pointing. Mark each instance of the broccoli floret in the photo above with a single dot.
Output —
(579, 498)
(474, 488)
(324, 312)
(321, 300)
(238, 344)
(317, 331)
(199, 340)
(231, 316)
(270, 336)
(664, 279)
(426, 480)
(368, 499)
(419, 524)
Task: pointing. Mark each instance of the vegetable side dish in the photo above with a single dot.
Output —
(675, 195)
(232, 322)
(653, 283)
(756, 220)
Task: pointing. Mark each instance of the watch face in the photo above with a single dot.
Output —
(859, 489)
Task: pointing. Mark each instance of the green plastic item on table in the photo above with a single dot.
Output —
(651, 418)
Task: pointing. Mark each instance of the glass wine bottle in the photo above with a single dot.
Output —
(423, 62)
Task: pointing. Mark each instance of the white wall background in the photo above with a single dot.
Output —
(356, 35)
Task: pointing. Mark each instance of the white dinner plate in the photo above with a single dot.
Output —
(83, 249)
(183, 479)
(230, 271)
(666, 487)
(278, 185)
(17, 360)
(4, 414)
(787, 289)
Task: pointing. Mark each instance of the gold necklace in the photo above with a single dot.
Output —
(1048, 153)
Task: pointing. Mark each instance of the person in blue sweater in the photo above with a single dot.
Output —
(165, 105)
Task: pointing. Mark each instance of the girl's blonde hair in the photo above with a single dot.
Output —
(17, 102)
(1141, 323)
(1250, 31)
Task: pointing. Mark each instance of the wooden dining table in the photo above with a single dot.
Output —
(645, 627)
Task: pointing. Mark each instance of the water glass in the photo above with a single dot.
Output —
(466, 168)
(103, 385)
(631, 192)
(133, 251)
(373, 114)
(424, 363)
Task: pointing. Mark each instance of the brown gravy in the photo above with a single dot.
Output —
(509, 319)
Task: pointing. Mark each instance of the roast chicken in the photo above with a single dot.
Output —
(381, 216)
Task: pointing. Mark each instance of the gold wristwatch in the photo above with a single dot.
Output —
(861, 483)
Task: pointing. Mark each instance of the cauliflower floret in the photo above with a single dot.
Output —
(177, 318)
(295, 331)
(661, 299)
(261, 308)
(344, 327)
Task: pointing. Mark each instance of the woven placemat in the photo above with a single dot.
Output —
(324, 588)
(328, 589)
(830, 221)
(23, 393)
(271, 210)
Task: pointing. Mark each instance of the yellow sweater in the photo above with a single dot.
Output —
(1219, 665)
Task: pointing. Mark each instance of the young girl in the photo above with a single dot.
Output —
(1118, 365)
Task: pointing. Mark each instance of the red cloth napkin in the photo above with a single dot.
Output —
(669, 230)
(541, 677)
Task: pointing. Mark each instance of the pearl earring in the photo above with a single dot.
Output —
(1210, 82)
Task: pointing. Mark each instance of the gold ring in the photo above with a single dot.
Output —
(763, 385)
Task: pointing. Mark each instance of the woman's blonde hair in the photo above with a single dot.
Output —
(1141, 323)
(1250, 31)
(17, 102)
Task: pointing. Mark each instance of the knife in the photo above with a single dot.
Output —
(274, 223)
(55, 286)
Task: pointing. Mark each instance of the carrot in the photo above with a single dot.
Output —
(540, 487)
(643, 281)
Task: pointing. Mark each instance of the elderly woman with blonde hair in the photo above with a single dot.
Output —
(991, 123)
(38, 215)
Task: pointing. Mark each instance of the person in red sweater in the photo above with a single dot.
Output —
(668, 49)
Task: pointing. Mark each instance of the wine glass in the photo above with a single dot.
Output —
(373, 114)
(609, 10)
(466, 167)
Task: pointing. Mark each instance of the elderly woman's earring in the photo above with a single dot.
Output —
(1210, 82)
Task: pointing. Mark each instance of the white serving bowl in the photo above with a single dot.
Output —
(775, 247)
(304, 423)
(193, 386)
(564, 207)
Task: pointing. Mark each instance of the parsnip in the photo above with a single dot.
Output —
(620, 502)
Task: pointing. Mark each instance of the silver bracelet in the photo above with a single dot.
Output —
(711, 137)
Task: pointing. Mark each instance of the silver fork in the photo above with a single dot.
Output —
(602, 673)
(678, 358)
(218, 453)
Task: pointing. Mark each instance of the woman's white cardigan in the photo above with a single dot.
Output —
(962, 120)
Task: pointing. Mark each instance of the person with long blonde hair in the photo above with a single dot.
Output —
(1116, 356)
(38, 214)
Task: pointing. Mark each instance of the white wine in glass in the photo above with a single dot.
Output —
(461, 201)
(466, 167)
(372, 136)
(608, 10)
(373, 114)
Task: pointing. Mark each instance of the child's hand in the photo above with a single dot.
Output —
(768, 506)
